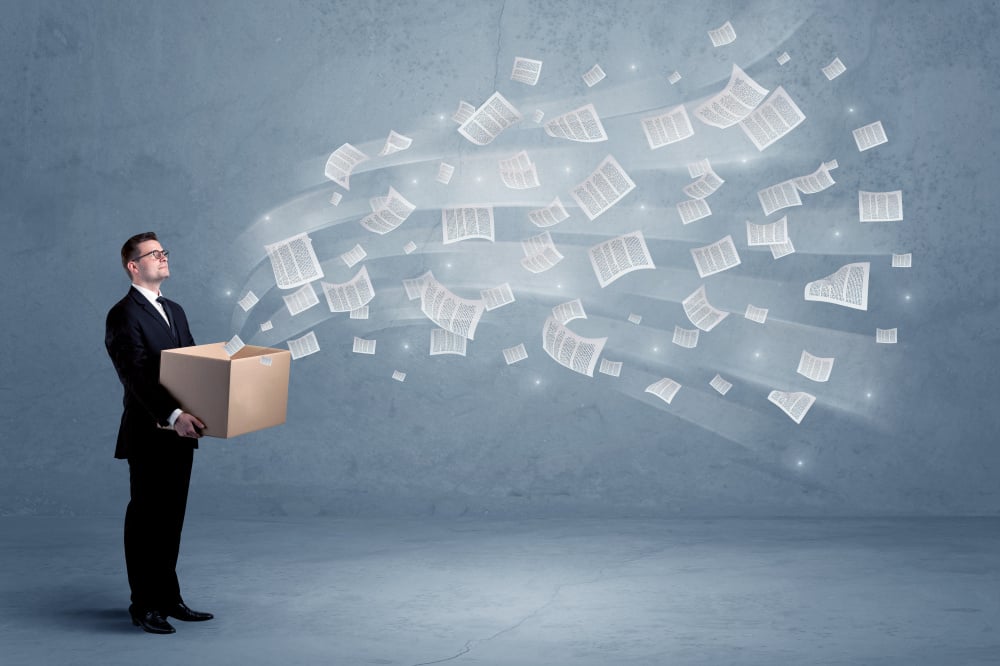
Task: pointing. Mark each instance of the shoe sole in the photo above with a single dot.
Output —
(151, 630)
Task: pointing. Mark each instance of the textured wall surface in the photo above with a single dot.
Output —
(211, 123)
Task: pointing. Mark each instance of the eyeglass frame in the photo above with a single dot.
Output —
(164, 254)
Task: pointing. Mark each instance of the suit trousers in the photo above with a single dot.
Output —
(159, 478)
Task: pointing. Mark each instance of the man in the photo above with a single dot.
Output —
(155, 436)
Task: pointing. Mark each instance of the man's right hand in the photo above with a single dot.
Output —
(188, 425)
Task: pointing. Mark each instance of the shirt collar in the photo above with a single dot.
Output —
(151, 296)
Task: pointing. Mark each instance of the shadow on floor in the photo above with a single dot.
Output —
(108, 620)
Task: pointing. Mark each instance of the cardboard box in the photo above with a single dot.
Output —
(231, 395)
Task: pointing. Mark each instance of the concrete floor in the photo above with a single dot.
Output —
(601, 592)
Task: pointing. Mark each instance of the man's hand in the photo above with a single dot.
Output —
(188, 425)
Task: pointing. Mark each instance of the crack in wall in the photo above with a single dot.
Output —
(496, 57)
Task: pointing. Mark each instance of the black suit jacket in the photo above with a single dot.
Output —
(135, 334)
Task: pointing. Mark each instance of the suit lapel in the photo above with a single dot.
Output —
(148, 308)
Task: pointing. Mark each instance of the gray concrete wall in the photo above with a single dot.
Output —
(211, 122)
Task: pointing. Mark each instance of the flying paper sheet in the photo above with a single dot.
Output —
(720, 384)
(446, 342)
(693, 210)
(415, 286)
(389, 212)
(779, 196)
(706, 185)
(353, 256)
(834, 69)
(817, 181)
(612, 368)
(756, 314)
(885, 336)
(452, 313)
(248, 301)
(847, 287)
(303, 346)
(234, 345)
(362, 346)
(685, 337)
(349, 296)
(514, 354)
(699, 168)
(497, 296)
(665, 389)
(618, 256)
(724, 34)
(772, 120)
(458, 224)
(605, 187)
(736, 101)
(767, 234)
(445, 172)
(869, 136)
(570, 350)
(463, 112)
(779, 250)
(795, 405)
(567, 312)
(395, 143)
(341, 163)
(815, 368)
(301, 300)
(489, 120)
(666, 128)
(715, 258)
(539, 253)
(700, 312)
(593, 76)
(880, 206)
(549, 216)
(581, 124)
(519, 172)
(294, 262)
(526, 70)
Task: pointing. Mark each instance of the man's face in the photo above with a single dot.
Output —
(147, 268)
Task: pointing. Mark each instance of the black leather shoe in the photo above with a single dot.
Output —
(151, 621)
(185, 614)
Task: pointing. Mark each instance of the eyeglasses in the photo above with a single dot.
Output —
(155, 254)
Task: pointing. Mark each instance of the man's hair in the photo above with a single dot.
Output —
(131, 245)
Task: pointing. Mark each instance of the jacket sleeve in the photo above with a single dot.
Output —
(137, 365)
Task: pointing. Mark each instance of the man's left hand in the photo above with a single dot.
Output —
(188, 425)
